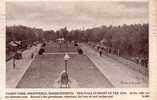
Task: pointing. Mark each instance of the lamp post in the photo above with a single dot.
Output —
(66, 58)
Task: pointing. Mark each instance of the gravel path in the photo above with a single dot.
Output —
(119, 74)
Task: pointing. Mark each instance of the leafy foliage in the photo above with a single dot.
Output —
(132, 40)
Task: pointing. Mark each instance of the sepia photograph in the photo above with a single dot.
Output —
(77, 44)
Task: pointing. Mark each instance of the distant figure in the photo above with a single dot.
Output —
(64, 80)
(14, 62)
(118, 52)
(144, 62)
(137, 60)
(32, 55)
(100, 51)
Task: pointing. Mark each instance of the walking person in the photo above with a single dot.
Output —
(100, 51)
(32, 55)
(14, 64)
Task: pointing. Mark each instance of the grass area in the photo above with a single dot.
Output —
(46, 69)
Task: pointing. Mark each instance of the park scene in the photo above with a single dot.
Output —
(74, 53)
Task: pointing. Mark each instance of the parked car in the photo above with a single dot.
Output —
(18, 55)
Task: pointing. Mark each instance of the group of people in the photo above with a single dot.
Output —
(142, 61)
(104, 49)
(114, 51)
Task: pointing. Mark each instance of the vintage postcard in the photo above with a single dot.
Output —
(78, 49)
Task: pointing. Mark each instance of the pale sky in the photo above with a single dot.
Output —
(75, 15)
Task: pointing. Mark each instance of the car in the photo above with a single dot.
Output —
(18, 55)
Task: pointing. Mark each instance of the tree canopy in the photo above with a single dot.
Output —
(131, 39)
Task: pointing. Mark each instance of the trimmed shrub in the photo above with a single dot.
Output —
(80, 51)
(41, 51)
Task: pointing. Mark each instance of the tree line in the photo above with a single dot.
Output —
(132, 40)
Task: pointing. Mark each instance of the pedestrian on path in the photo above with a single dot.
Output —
(14, 64)
(32, 55)
(100, 51)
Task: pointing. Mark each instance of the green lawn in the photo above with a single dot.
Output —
(45, 69)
